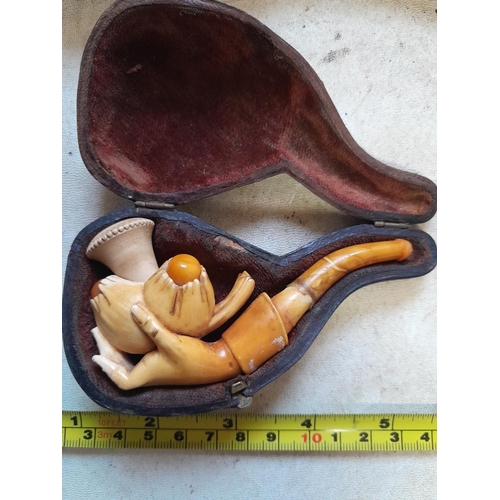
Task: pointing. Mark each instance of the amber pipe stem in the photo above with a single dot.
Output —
(300, 295)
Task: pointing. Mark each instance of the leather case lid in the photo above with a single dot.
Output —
(181, 99)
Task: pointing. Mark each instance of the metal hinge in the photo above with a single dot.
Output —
(237, 389)
(154, 205)
(397, 225)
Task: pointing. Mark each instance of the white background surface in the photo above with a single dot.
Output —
(378, 351)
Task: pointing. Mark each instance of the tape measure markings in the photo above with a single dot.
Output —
(260, 432)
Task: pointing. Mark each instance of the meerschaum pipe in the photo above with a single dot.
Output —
(260, 332)
(179, 292)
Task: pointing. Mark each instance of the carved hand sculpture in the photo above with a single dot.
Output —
(165, 316)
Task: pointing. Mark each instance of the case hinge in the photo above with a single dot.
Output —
(398, 225)
(154, 205)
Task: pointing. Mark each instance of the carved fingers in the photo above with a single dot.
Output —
(106, 350)
(117, 373)
(164, 339)
(181, 359)
(113, 362)
(236, 298)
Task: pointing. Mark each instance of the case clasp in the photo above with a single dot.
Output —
(237, 390)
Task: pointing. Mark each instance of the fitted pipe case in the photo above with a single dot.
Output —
(180, 100)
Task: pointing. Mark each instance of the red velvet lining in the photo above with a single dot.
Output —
(182, 99)
(178, 102)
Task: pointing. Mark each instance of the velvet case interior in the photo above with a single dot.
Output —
(179, 100)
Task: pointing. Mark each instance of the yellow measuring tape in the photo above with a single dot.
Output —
(260, 432)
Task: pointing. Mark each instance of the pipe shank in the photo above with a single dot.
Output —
(257, 335)
(293, 302)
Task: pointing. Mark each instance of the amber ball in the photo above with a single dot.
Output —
(183, 268)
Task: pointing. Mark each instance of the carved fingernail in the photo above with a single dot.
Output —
(139, 314)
